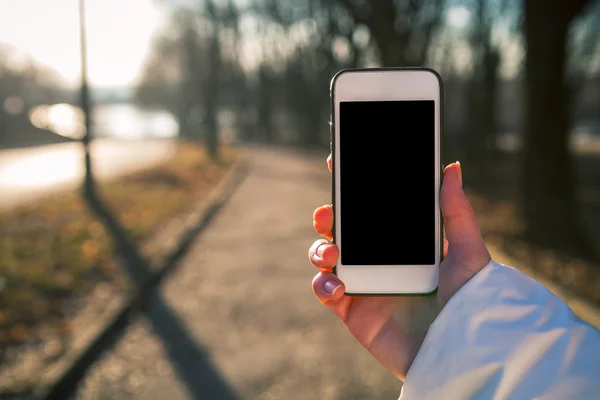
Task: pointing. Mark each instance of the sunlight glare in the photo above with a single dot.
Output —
(44, 169)
(458, 17)
(62, 119)
(119, 36)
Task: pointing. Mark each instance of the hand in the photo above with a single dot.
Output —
(392, 329)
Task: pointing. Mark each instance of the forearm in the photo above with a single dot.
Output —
(504, 335)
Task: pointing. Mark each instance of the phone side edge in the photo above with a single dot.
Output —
(332, 152)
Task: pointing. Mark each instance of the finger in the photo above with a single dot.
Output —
(329, 290)
(329, 162)
(323, 254)
(323, 221)
(460, 224)
(445, 252)
(465, 244)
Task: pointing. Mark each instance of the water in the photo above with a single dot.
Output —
(119, 121)
(126, 121)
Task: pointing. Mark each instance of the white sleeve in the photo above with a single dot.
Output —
(505, 336)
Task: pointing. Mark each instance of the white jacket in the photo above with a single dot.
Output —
(505, 336)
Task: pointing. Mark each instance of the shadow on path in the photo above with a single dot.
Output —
(191, 363)
(188, 358)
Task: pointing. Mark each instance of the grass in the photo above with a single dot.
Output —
(55, 249)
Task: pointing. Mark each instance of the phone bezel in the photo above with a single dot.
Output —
(381, 84)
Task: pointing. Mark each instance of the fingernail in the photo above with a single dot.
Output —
(331, 287)
(459, 173)
(321, 249)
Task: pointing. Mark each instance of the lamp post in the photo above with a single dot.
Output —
(88, 185)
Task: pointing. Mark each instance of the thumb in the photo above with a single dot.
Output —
(458, 216)
(467, 253)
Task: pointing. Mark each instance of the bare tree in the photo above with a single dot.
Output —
(89, 181)
(221, 18)
(164, 83)
(482, 97)
(190, 73)
(23, 86)
(212, 89)
(548, 181)
(583, 63)
(302, 84)
(402, 30)
(175, 74)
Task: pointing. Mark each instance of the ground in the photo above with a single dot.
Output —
(59, 274)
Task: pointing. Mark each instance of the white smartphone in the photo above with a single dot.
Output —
(387, 171)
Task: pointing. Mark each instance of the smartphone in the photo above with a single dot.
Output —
(387, 171)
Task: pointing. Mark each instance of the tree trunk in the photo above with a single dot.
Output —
(392, 45)
(312, 118)
(487, 116)
(265, 106)
(182, 108)
(191, 86)
(381, 21)
(211, 99)
(86, 106)
(548, 184)
(3, 132)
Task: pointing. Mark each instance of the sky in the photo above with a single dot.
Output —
(119, 35)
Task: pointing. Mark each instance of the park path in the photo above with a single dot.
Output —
(238, 318)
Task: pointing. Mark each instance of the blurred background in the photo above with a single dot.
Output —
(118, 118)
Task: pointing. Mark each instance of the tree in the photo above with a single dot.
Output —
(295, 83)
(89, 182)
(190, 71)
(327, 44)
(583, 64)
(24, 84)
(483, 85)
(309, 70)
(162, 83)
(213, 82)
(174, 74)
(266, 91)
(402, 30)
(548, 184)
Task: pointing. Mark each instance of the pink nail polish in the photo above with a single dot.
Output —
(331, 287)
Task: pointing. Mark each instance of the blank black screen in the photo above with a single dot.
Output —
(387, 182)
